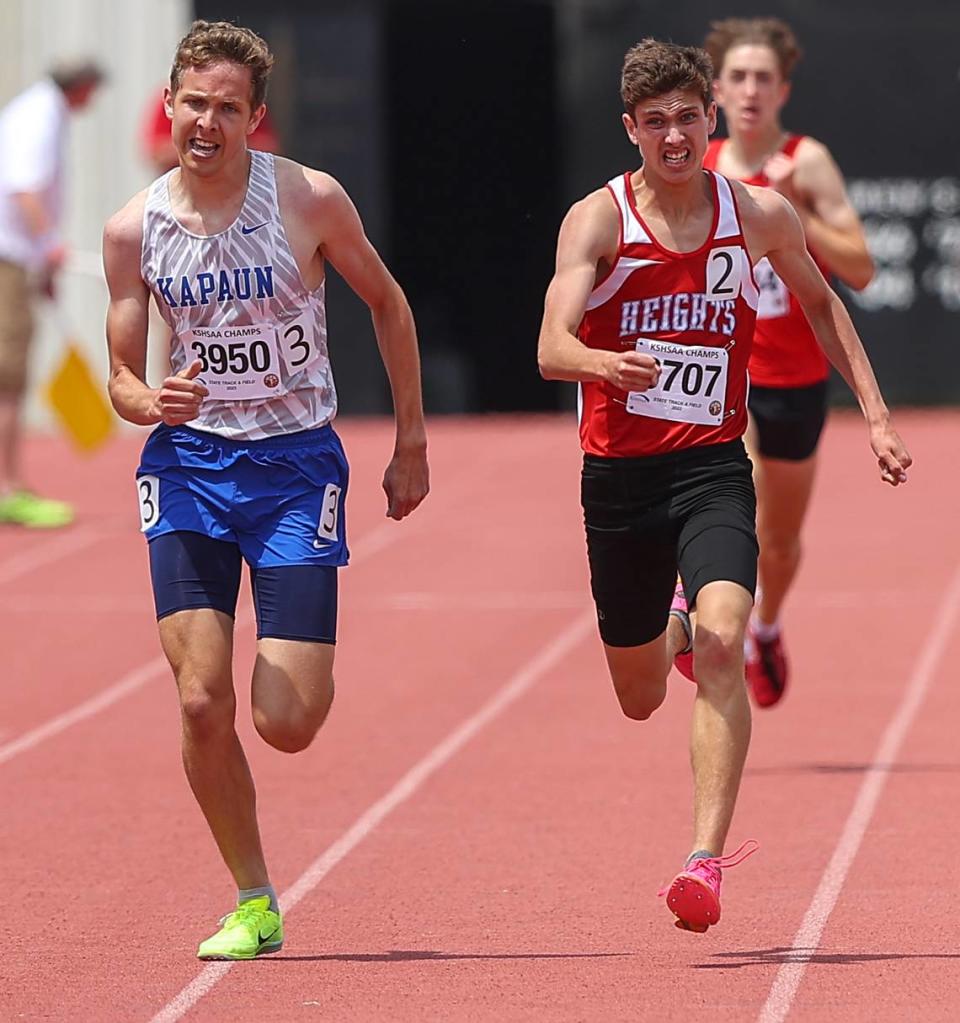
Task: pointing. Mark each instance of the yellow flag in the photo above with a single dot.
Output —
(79, 401)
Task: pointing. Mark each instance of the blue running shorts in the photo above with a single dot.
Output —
(206, 502)
(280, 499)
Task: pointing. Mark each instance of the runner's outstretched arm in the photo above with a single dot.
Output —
(785, 246)
(813, 183)
(344, 242)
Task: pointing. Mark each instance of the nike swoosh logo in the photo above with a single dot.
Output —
(256, 227)
(266, 931)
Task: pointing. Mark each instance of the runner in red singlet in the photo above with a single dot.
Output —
(652, 310)
(753, 60)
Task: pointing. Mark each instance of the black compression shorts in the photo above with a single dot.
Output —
(646, 518)
(788, 420)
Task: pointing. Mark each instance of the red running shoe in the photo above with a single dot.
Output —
(683, 662)
(766, 670)
(693, 896)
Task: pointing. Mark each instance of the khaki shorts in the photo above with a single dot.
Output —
(16, 327)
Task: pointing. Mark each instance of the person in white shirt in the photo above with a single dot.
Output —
(33, 127)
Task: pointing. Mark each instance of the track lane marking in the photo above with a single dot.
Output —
(368, 821)
(44, 553)
(807, 940)
(130, 683)
(371, 543)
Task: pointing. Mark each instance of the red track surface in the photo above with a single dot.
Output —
(515, 877)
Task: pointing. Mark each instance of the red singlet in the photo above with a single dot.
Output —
(785, 349)
(695, 312)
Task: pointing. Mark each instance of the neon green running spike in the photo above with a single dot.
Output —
(253, 929)
(25, 509)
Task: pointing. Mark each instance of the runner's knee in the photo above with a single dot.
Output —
(292, 727)
(290, 734)
(718, 655)
(205, 713)
(639, 704)
(639, 677)
(780, 546)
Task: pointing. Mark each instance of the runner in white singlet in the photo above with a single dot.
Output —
(243, 464)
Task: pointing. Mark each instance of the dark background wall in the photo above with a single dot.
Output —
(474, 191)
(463, 130)
(441, 121)
(879, 85)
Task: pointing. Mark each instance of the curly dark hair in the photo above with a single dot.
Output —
(771, 32)
(209, 42)
(652, 68)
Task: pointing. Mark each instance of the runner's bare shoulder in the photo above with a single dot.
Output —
(758, 204)
(593, 222)
(599, 208)
(764, 214)
(305, 191)
(810, 152)
(123, 232)
(817, 175)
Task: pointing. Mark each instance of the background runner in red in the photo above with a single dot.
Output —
(785, 352)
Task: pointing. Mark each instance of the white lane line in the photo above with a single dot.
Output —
(807, 940)
(379, 538)
(58, 547)
(369, 544)
(77, 604)
(128, 684)
(520, 600)
(530, 673)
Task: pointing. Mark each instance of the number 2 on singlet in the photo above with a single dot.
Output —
(724, 273)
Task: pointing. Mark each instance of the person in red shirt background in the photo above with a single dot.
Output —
(753, 60)
(158, 148)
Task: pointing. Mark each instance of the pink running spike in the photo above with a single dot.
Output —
(693, 896)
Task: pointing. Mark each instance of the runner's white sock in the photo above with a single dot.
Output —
(763, 632)
(246, 894)
(699, 854)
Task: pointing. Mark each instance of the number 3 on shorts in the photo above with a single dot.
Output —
(723, 273)
(148, 491)
(329, 514)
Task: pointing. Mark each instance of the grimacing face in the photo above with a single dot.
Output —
(212, 115)
(672, 132)
(750, 89)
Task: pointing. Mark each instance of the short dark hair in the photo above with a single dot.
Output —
(771, 32)
(210, 42)
(652, 68)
